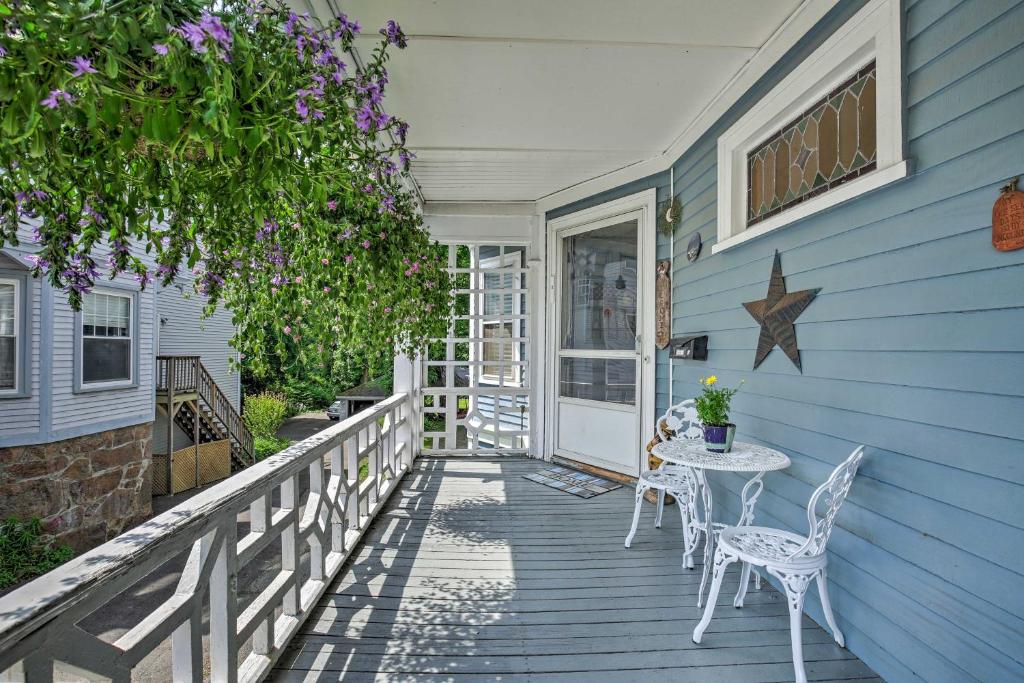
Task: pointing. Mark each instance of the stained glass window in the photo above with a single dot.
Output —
(831, 143)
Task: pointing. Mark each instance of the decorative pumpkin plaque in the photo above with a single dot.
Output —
(1008, 218)
(663, 305)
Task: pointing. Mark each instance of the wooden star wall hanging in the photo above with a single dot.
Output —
(776, 314)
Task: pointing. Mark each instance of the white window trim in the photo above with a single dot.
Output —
(18, 293)
(873, 33)
(132, 341)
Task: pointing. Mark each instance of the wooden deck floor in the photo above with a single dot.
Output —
(474, 573)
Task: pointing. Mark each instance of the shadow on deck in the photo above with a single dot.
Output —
(474, 573)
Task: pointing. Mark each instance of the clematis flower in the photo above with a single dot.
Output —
(214, 28)
(345, 25)
(393, 32)
(194, 34)
(365, 118)
(82, 66)
(56, 98)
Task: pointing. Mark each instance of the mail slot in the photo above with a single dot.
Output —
(690, 348)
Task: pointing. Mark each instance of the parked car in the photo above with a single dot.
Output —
(335, 410)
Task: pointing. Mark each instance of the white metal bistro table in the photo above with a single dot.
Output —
(744, 457)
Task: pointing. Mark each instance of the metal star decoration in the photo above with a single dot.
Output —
(776, 314)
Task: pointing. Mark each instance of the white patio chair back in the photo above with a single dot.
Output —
(682, 420)
(830, 495)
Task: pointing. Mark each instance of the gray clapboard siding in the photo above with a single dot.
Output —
(54, 410)
(474, 573)
(915, 346)
(184, 331)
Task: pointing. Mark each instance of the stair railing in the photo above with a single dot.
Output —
(224, 411)
(186, 374)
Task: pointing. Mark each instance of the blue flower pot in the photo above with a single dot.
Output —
(718, 438)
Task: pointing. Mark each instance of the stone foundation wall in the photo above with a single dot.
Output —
(86, 490)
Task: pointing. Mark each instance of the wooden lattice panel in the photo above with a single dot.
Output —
(214, 464)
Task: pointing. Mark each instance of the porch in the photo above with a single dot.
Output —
(472, 572)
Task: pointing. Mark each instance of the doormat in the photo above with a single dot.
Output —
(573, 481)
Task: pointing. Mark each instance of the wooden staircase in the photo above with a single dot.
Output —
(186, 391)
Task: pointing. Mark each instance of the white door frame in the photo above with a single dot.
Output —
(645, 203)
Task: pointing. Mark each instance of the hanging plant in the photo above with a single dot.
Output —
(232, 138)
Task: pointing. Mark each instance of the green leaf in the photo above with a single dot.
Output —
(111, 68)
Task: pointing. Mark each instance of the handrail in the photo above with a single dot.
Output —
(39, 632)
(188, 374)
(211, 393)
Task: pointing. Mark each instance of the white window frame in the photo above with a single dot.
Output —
(873, 33)
(18, 293)
(132, 342)
(510, 260)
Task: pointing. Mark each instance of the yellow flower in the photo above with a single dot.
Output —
(711, 380)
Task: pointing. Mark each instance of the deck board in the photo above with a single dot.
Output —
(473, 573)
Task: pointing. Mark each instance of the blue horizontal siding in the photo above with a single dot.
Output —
(915, 347)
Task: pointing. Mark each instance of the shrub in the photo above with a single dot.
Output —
(266, 446)
(264, 413)
(25, 553)
(311, 394)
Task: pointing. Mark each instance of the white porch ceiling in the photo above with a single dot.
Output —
(515, 100)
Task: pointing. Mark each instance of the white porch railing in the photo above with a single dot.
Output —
(40, 635)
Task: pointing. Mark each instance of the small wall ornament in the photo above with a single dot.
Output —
(663, 305)
(670, 213)
(693, 248)
(1008, 218)
(776, 314)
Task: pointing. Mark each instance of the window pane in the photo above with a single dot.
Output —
(597, 379)
(7, 309)
(831, 143)
(8, 367)
(599, 288)
(106, 360)
(500, 353)
(106, 315)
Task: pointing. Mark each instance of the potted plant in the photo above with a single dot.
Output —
(713, 411)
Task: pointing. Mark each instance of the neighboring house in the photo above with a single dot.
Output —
(78, 413)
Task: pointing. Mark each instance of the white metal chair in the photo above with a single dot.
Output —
(791, 558)
(679, 422)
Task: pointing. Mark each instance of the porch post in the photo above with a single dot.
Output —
(405, 382)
